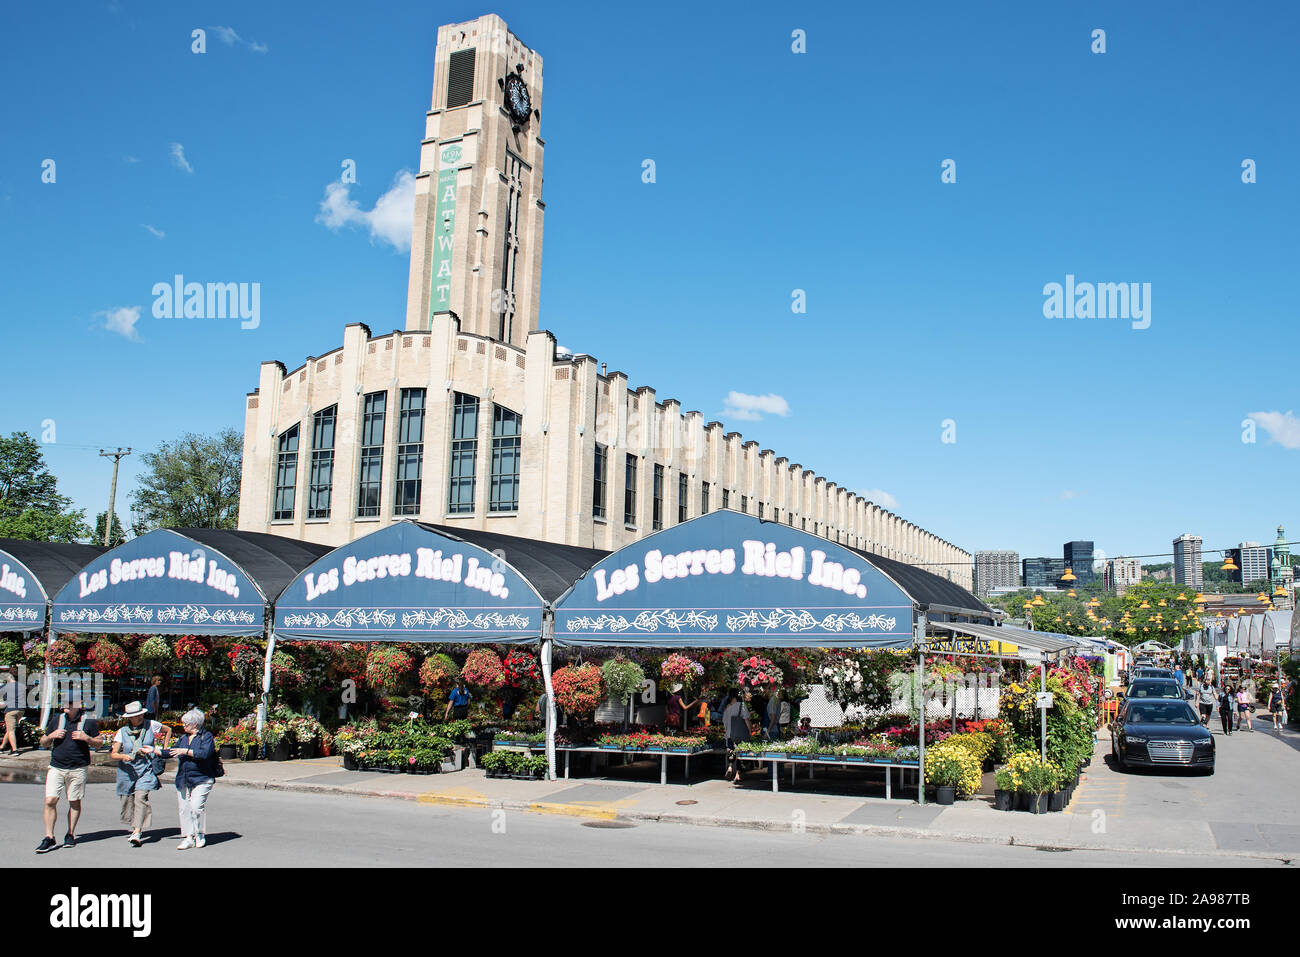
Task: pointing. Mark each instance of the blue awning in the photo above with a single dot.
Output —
(162, 583)
(30, 572)
(408, 582)
(728, 580)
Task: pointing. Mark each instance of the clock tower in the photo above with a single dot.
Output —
(476, 245)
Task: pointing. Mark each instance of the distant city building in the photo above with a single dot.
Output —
(1187, 561)
(1252, 561)
(1078, 558)
(1121, 574)
(996, 568)
(1042, 572)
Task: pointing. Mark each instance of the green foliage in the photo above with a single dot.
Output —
(622, 677)
(118, 536)
(192, 482)
(30, 504)
(11, 652)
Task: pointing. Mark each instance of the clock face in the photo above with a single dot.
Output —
(517, 100)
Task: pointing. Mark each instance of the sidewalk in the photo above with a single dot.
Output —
(1101, 817)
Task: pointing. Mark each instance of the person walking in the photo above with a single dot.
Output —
(69, 735)
(1243, 709)
(138, 763)
(9, 701)
(1206, 699)
(1277, 707)
(197, 771)
(1179, 676)
(153, 699)
(458, 703)
(772, 732)
(735, 722)
(1227, 705)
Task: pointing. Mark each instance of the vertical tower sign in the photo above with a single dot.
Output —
(444, 231)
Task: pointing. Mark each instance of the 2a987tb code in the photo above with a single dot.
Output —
(1219, 899)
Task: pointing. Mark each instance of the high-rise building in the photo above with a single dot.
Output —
(1121, 574)
(1187, 561)
(998, 568)
(1253, 560)
(1042, 572)
(1078, 558)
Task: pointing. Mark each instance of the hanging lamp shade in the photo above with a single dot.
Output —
(1038, 601)
(1069, 576)
(1145, 604)
(1072, 593)
(1229, 565)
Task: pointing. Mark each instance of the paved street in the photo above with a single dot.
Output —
(252, 828)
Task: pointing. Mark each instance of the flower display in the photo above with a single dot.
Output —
(63, 654)
(577, 688)
(953, 765)
(193, 648)
(758, 674)
(521, 669)
(842, 678)
(107, 658)
(387, 667)
(438, 673)
(285, 672)
(246, 662)
(649, 741)
(679, 669)
(154, 649)
(622, 677)
(483, 670)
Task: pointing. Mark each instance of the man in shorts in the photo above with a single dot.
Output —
(69, 735)
(1206, 699)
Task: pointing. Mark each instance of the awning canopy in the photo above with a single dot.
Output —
(728, 580)
(414, 582)
(1276, 630)
(941, 598)
(1022, 638)
(181, 582)
(30, 572)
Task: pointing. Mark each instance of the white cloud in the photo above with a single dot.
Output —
(1068, 494)
(122, 320)
(157, 232)
(131, 159)
(879, 497)
(230, 38)
(178, 158)
(752, 408)
(389, 221)
(1282, 427)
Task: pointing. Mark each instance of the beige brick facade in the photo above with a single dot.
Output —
(567, 406)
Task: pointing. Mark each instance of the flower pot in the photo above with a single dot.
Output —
(1056, 801)
(1040, 803)
(306, 750)
(945, 794)
(349, 762)
(248, 753)
(1022, 801)
(1003, 800)
(283, 751)
(227, 752)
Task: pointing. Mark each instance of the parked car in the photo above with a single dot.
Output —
(1159, 732)
(1157, 688)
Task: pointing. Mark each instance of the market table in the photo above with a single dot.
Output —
(662, 755)
(776, 758)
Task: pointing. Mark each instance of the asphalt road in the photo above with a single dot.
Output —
(254, 828)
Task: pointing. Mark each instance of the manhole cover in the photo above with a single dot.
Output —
(607, 824)
(688, 802)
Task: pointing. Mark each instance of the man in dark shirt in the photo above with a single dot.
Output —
(69, 736)
(153, 700)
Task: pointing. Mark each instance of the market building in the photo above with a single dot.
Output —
(472, 418)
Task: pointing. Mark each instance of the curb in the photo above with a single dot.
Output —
(751, 824)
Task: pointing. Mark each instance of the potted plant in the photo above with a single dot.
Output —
(622, 679)
(943, 771)
(1005, 793)
(275, 735)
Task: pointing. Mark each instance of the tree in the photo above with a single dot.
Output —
(192, 482)
(118, 536)
(30, 504)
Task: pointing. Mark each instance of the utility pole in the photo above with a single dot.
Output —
(112, 492)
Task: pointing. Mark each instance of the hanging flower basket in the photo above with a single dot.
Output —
(483, 670)
(577, 688)
(758, 674)
(107, 658)
(63, 654)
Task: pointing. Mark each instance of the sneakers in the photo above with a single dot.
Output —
(199, 841)
(47, 844)
(135, 840)
(186, 844)
(69, 841)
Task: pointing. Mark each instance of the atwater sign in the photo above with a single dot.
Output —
(161, 583)
(729, 580)
(406, 582)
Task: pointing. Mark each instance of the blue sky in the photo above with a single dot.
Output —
(775, 171)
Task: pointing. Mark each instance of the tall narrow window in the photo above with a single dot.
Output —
(504, 480)
(629, 491)
(682, 510)
(286, 474)
(510, 254)
(760, 509)
(704, 498)
(726, 498)
(369, 476)
(657, 504)
(464, 453)
(744, 504)
(322, 462)
(460, 78)
(410, 453)
(598, 482)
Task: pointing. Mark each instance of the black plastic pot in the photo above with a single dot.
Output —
(248, 753)
(227, 752)
(349, 762)
(282, 752)
(1056, 801)
(306, 750)
(1003, 800)
(945, 794)
(1040, 803)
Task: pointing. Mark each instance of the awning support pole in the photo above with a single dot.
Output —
(266, 679)
(1043, 711)
(548, 630)
(920, 643)
(47, 692)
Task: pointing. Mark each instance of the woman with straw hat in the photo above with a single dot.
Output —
(138, 767)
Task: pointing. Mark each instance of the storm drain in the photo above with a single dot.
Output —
(1053, 850)
(618, 825)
